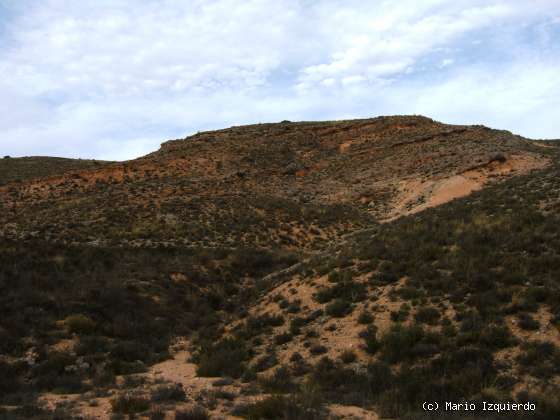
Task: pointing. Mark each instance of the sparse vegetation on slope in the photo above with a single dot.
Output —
(28, 168)
(260, 248)
(483, 290)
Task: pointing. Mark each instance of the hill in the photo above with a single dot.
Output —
(293, 185)
(290, 270)
(26, 168)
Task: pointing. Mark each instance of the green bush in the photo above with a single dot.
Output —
(398, 343)
(266, 361)
(339, 308)
(173, 392)
(540, 359)
(296, 324)
(279, 382)
(79, 324)
(429, 316)
(348, 356)
(195, 413)
(527, 322)
(365, 318)
(299, 407)
(283, 338)
(317, 349)
(225, 358)
(369, 336)
(130, 404)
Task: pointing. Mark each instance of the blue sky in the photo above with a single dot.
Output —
(112, 79)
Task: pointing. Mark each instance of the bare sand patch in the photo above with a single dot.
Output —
(417, 195)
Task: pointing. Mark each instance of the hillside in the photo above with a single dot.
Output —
(295, 270)
(26, 168)
(293, 185)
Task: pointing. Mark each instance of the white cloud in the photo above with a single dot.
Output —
(114, 78)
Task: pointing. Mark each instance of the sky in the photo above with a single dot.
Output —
(112, 79)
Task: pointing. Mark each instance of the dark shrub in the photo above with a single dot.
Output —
(277, 407)
(339, 308)
(156, 413)
(540, 358)
(279, 382)
(8, 378)
(129, 351)
(173, 392)
(80, 324)
(130, 404)
(296, 324)
(224, 358)
(317, 349)
(398, 342)
(497, 337)
(257, 325)
(527, 322)
(283, 338)
(365, 318)
(427, 316)
(370, 339)
(266, 361)
(195, 413)
(348, 356)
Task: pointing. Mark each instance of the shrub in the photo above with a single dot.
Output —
(527, 322)
(130, 404)
(350, 291)
(380, 377)
(156, 413)
(278, 407)
(314, 315)
(283, 338)
(370, 339)
(195, 413)
(298, 365)
(399, 316)
(496, 337)
(398, 342)
(365, 318)
(498, 157)
(540, 359)
(8, 378)
(129, 351)
(257, 325)
(279, 382)
(427, 316)
(339, 308)
(317, 349)
(79, 324)
(173, 392)
(265, 362)
(249, 375)
(348, 356)
(296, 324)
(222, 382)
(224, 358)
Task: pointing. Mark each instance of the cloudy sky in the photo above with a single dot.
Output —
(112, 79)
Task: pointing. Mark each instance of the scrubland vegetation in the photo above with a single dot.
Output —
(291, 306)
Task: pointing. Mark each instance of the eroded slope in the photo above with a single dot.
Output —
(293, 185)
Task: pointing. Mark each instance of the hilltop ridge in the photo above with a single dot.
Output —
(225, 186)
